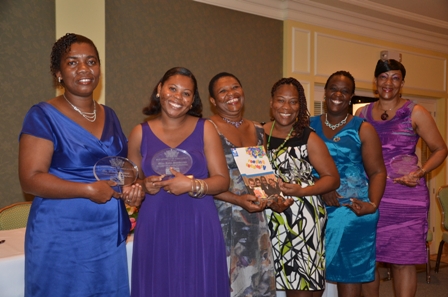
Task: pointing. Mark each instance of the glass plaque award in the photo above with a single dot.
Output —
(402, 165)
(118, 169)
(178, 159)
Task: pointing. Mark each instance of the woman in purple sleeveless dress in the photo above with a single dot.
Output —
(402, 227)
(179, 247)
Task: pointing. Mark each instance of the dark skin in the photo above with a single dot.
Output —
(338, 94)
(389, 85)
(285, 108)
(172, 126)
(80, 72)
(228, 99)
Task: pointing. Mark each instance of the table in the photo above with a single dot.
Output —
(12, 265)
(12, 262)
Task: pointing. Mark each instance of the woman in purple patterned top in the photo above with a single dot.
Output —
(402, 226)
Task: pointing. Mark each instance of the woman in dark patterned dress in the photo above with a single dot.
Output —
(249, 251)
(297, 234)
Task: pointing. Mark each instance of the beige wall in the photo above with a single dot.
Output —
(312, 54)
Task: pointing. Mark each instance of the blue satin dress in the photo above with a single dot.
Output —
(349, 239)
(75, 247)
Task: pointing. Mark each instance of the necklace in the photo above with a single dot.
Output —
(334, 127)
(384, 115)
(236, 124)
(90, 116)
(286, 139)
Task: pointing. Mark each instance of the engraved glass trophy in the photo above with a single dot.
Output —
(117, 169)
(178, 159)
(402, 165)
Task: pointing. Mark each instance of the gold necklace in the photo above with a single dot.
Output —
(384, 115)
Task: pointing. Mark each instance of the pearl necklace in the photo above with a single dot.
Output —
(334, 127)
(236, 124)
(90, 116)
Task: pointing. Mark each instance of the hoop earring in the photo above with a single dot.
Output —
(59, 79)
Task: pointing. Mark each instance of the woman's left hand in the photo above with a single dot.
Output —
(410, 180)
(133, 195)
(361, 208)
(179, 184)
(280, 204)
(289, 189)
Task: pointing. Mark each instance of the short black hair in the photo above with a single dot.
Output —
(215, 78)
(62, 46)
(343, 73)
(388, 65)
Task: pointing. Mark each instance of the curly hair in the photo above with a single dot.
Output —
(343, 73)
(215, 78)
(303, 118)
(62, 46)
(154, 107)
(388, 65)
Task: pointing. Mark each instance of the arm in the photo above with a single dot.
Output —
(246, 201)
(134, 154)
(426, 128)
(35, 156)
(372, 157)
(322, 161)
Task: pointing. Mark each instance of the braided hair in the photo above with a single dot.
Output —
(303, 118)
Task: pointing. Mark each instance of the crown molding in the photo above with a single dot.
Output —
(317, 14)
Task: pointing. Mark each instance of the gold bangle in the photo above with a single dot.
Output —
(374, 205)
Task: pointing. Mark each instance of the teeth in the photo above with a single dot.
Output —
(232, 101)
(285, 114)
(337, 102)
(84, 80)
(175, 105)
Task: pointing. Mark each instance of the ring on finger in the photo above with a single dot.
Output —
(168, 191)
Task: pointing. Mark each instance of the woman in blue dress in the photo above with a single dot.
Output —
(352, 208)
(75, 237)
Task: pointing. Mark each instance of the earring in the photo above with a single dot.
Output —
(157, 95)
(349, 103)
(191, 106)
(59, 79)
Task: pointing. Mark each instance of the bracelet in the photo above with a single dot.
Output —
(374, 205)
(199, 188)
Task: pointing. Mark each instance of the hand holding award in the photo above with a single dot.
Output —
(117, 169)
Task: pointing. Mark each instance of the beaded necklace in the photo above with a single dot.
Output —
(286, 139)
(236, 124)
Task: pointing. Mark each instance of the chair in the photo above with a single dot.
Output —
(14, 216)
(442, 196)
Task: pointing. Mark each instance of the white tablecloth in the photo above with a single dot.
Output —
(12, 265)
(12, 262)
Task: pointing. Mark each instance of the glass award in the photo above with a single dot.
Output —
(117, 169)
(403, 165)
(178, 159)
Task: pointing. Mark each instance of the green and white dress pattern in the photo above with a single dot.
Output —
(297, 234)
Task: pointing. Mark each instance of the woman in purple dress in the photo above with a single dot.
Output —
(402, 226)
(179, 247)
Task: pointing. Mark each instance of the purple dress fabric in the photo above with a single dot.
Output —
(179, 247)
(402, 227)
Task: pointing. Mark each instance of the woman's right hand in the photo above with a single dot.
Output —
(102, 191)
(151, 184)
(250, 203)
(331, 198)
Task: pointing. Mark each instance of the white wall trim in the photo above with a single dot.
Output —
(335, 18)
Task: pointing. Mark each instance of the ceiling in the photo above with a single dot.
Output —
(421, 23)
